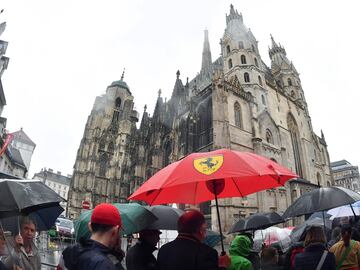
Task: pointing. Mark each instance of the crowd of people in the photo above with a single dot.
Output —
(187, 251)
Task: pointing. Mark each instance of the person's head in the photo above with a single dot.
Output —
(335, 234)
(152, 237)
(314, 234)
(192, 222)
(27, 229)
(240, 246)
(269, 256)
(346, 232)
(344, 220)
(105, 224)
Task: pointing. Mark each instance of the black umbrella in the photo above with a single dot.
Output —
(167, 217)
(321, 199)
(298, 233)
(256, 222)
(22, 197)
(44, 219)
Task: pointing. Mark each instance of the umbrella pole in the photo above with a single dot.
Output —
(218, 215)
(352, 209)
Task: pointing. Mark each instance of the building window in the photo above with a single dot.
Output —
(263, 100)
(289, 82)
(118, 102)
(237, 113)
(292, 94)
(253, 47)
(230, 63)
(260, 80)
(243, 59)
(256, 62)
(111, 147)
(228, 49)
(103, 165)
(269, 137)
(246, 77)
(241, 45)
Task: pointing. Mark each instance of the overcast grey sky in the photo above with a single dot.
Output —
(65, 53)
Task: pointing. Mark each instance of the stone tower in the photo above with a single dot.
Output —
(102, 166)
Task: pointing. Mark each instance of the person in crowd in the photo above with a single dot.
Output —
(335, 236)
(93, 254)
(2, 249)
(239, 250)
(140, 256)
(22, 251)
(347, 251)
(270, 259)
(315, 255)
(253, 256)
(187, 251)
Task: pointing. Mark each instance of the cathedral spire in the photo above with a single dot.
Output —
(122, 75)
(234, 15)
(206, 54)
(275, 48)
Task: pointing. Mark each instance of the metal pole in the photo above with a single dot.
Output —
(218, 215)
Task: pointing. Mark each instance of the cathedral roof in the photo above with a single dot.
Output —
(121, 83)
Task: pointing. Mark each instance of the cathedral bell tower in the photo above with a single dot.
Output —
(242, 61)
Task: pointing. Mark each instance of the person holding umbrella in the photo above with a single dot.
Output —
(23, 251)
(2, 249)
(140, 256)
(92, 254)
(187, 251)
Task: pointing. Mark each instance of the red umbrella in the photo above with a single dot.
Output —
(201, 177)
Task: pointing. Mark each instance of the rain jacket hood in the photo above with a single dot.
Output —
(240, 246)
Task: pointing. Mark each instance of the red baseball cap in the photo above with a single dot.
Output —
(106, 214)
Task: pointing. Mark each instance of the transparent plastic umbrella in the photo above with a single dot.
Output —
(272, 236)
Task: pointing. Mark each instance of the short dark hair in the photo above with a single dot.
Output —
(101, 228)
(346, 228)
(190, 222)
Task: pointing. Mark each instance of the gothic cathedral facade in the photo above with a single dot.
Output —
(234, 102)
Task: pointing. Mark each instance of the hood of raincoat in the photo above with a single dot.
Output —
(240, 246)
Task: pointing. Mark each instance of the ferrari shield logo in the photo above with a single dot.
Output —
(208, 165)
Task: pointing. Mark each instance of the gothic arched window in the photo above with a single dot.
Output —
(241, 45)
(118, 103)
(318, 178)
(289, 82)
(295, 140)
(269, 137)
(237, 114)
(102, 144)
(243, 59)
(246, 77)
(167, 153)
(293, 94)
(256, 62)
(263, 100)
(230, 63)
(228, 49)
(103, 165)
(260, 80)
(111, 147)
(253, 47)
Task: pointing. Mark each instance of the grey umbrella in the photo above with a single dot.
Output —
(256, 222)
(22, 197)
(167, 217)
(321, 199)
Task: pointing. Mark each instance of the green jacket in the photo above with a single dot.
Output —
(239, 250)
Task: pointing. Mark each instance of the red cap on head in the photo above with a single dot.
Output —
(106, 214)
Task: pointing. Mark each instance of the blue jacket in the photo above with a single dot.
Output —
(88, 255)
(311, 256)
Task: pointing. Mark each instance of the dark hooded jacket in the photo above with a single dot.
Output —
(88, 255)
(140, 257)
(239, 250)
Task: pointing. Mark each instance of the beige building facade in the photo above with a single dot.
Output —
(234, 102)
